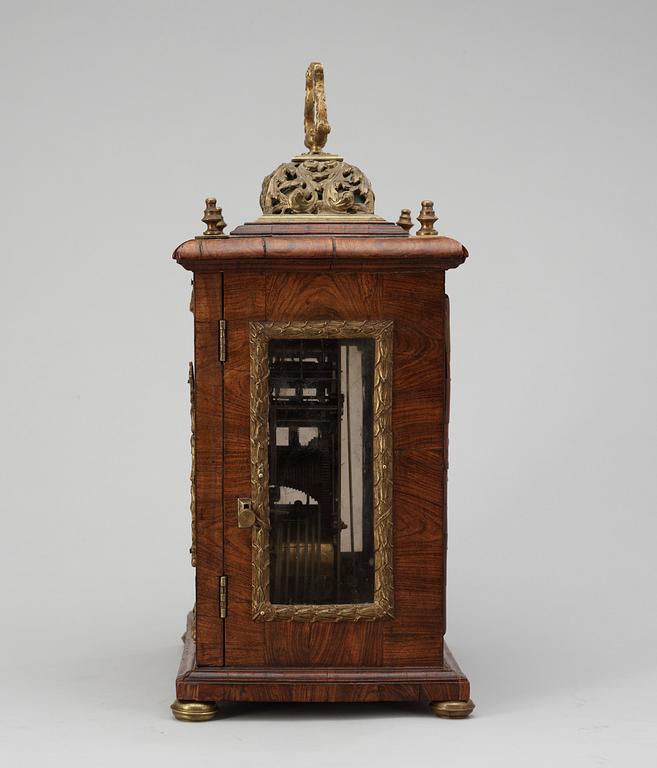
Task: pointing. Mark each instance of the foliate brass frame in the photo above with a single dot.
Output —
(259, 335)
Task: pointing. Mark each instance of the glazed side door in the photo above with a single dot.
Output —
(320, 597)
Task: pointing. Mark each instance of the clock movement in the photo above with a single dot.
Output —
(320, 409)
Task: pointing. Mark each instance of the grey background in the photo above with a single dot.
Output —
(532, 126)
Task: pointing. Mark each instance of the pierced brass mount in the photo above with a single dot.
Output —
(316, 182)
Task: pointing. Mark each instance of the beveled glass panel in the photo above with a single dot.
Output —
(320, 471)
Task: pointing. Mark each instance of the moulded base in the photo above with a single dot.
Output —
(445, 687)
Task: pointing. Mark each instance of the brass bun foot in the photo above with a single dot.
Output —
(194, 711)
(455, 710)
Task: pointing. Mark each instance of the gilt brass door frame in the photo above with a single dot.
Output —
(259, 335)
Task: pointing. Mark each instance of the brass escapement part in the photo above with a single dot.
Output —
(454, 710)
(194, 711)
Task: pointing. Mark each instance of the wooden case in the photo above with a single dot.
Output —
(320, 272)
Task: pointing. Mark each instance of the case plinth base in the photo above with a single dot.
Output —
(445, 687)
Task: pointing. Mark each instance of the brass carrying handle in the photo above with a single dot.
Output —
(315, 119)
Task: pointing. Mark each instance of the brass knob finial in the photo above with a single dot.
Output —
(315, 119)
(427, 219)
(213, 220)
(405, 221)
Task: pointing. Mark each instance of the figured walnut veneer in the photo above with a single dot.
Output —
(339, 273)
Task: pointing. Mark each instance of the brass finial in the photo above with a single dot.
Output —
(427, 219)
(213, 219)
(405, 221)
(315, 119)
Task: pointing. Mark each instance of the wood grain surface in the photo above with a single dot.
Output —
(293, 296)
(318, 684)
(315, 277)
(322, 253)
(244, 300)
(208, 442)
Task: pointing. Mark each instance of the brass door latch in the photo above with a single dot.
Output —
(245, 513)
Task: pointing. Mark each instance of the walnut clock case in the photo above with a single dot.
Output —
(320, 410)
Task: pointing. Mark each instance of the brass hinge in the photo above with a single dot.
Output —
(222, 341)
(223, 597)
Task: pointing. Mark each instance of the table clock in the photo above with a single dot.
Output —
(320, 410)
